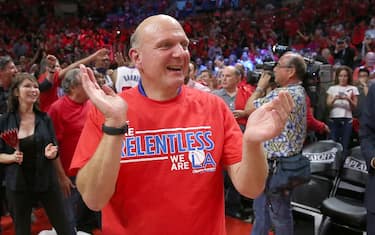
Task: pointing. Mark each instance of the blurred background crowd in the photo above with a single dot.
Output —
(336, 39)
(229, 30)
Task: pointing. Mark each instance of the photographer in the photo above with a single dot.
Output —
(274, 207)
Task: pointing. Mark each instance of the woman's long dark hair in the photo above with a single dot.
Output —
(13, 102)
(348, 70)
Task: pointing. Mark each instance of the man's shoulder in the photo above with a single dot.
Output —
(200, 86)
(57, 103)
(126, 69)
(191, 90)
(219, 92)
(129, 92)
(202, 97)
(293, 89)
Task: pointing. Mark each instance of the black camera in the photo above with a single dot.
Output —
(254, 76)
(268, 66)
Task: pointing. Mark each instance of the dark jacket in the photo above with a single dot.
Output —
(45, 177)
(3, 101)
(345, 57)
(367, 137)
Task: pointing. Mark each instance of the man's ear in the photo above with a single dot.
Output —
(135, 57)
(292, 72)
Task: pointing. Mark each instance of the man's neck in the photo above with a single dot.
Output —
(158, 94)
(294, 81)
(77, 98)
(231, 91)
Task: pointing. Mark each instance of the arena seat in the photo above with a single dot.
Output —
(345, 207)
(325, 160)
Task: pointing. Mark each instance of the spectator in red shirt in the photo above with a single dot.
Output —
(68, 115)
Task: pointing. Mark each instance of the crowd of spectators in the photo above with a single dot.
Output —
(221, 32)
(216, 28)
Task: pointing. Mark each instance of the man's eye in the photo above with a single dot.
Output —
(165, 45)
(185, 46)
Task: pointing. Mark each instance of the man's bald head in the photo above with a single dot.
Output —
(150, 25)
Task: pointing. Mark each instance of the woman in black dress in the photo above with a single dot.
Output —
(29, 173)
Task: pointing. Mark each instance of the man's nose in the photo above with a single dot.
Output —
(178, 50)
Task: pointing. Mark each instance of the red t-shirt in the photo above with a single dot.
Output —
(243, 94)
(68, 119)
(313, 124)
(46, 98)
(171, 173)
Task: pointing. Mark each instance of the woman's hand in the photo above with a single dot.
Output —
(17, 157)
(66, 185)
(50, 151)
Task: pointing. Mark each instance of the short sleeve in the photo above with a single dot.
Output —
(88, 141)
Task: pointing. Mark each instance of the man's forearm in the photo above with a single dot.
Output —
(249, 107)
(255, 168)
(96, 181)
(249, 176)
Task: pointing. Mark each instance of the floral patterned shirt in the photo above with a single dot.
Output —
(290, 141)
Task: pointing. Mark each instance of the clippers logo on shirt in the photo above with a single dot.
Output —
(185, 148)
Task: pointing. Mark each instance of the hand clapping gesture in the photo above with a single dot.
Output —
(51, 64)
(112, 106)
(50, 151)
(269, 120)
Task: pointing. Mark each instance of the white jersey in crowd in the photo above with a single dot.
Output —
(127, 77)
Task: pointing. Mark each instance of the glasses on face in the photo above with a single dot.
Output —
(283, 66)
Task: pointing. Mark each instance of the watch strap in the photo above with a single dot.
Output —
(115, 130)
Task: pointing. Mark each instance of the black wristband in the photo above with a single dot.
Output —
(114, 130)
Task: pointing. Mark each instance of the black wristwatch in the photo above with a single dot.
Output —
(114, 130)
